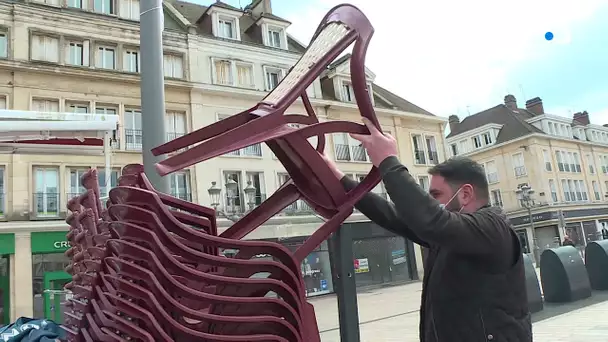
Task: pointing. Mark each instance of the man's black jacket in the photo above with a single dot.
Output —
(474, 283)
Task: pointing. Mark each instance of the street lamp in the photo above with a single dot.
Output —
(524, 195)
(215, 194)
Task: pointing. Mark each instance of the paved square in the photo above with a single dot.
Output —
(391, 314)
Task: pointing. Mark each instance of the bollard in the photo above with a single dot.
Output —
(563, 275)
(596, 261)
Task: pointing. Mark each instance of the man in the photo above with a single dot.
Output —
(474, 284)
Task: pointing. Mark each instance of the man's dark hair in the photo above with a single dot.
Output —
(458, 171)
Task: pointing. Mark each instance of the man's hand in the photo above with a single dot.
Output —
(379, 146)
(333, 167)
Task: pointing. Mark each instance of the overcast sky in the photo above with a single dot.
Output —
(460, 57)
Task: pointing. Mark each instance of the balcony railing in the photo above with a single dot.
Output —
(133, 139)
(520, 171)
(249, 151)
(237, 204)
(298, 208)
(46, 204)
(342, 152)
(419, 157)
(359, 153)
(185, 196)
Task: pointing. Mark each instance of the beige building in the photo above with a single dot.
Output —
(83, 57)
(563, 160)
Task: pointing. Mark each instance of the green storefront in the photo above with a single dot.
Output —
(7, 247)
(48, 274)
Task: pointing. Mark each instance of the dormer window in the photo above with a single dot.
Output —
(226, 27)
(275, 37)
(347, 92)
(487, 138)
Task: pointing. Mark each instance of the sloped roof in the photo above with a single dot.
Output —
(513, 123)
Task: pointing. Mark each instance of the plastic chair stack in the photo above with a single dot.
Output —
(149, 267)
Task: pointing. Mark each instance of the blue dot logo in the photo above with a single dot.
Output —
(549, 36)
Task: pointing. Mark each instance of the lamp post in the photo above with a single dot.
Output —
(524, 195)
(232, 187)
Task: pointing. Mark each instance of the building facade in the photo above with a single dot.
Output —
(564, 160)
(83, 56)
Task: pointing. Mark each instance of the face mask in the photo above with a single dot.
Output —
(443, 206)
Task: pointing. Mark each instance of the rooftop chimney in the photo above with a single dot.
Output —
(511, 102)
(581, 118)
(535, 106)
(454, 122)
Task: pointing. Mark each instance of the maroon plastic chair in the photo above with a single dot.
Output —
(312, 180)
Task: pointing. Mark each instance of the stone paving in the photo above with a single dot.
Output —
(391, 314)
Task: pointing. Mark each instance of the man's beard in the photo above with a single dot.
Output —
(454, 205)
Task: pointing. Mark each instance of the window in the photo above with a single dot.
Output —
(547, 158)
(606, 186)
(104, 6)
(273, 77)
(249, 151)
(81, 4)
(348, 149)
(109, 110)
(566, 190)
(583, 187)
(131, 61)
(180, 185)
(176, 125)
(274, 37)
(419, 155)
(3, 44)
(106, 57)
(223, 72)
(77, 53)
(487, 138)
(477, 142)
(496, 198)
(423, 181)
(45, 48)
(112, 179)
(50, 2)
(591, 164)
(519, 165)
(454, 149)
(257, 181)
(226, 27)
(132, 124)
(129, 9)
(45, 105)
(431, 150)
(604, 164)
(347, 92)
(560, 162)
(77, 107)
(553, 190)
(596, 191)
(576, 158)
(2, 193)
(74, 187)
(46, 195)
(491, 172)
(173, 66)
(244, 75)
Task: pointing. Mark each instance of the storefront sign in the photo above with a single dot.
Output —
(398, 257)
(49, 242)
(361, 266)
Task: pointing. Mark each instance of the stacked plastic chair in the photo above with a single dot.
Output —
(146, 266)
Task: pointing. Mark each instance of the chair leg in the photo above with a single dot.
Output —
(205, 133)
(283, 197)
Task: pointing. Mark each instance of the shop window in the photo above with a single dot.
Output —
(48, 279)
(315, 268)
(5, 293)
(380, 260)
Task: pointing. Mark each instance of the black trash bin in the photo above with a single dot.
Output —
(535, 298)
(596, 260)
(563, 275)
